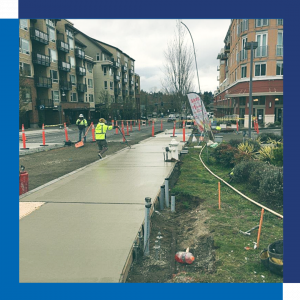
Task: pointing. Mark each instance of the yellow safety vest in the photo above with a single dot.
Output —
(100, 131)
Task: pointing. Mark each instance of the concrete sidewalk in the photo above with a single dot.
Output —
(85, 230)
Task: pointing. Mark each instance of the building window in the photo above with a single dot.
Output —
(98, 56)
(279, 46)
(90, 83)
(260, 69)
(72, 62)
(71, 43)
(261, 100)
(23, 24)
(110, 72)
(104, 71)
(279, 21)
(91, 98)
(54, 75)
(51, 33)
(73, 97)
(244, 24)
(243, 71)
(261, 22)
(24, 46)
(89, 67)
(242, 101)
(25, 69)
(111, 85)
(72, 79)
(26, 94)
(55, 96)
(262, 48)
(53, 55)
(50, 23)
(279, 68)
(69, 33)
(105, 85)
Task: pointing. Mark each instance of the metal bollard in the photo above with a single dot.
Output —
(172, 203)
(135, 249)
(159, 237)
(156, 247)
(147, 225)
(140, 239)
(162, 197)
(167, 192)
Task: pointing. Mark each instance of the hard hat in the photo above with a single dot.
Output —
(81, 116)
(101, 120)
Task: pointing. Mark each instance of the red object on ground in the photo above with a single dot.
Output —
(152, 128)
(23, 182)
(66, 132)
(174, 128)
(130, 125)
(237, 125)
(184, 257)
(183, 130)
(93, 132)
(112, 123)
(257, 130)
(44, 136)
(161, 125)
(122, 126)
(139, 125)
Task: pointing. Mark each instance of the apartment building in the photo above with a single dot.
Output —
(232, 95)
(53, 77)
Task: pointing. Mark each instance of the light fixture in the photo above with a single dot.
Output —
(270, 104)
(276, 99)
(255, 100)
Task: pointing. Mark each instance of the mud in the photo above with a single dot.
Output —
(180, 230)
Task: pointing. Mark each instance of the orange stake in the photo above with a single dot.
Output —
(219, 186)
(139, 125)
(66, 132)
(260, 224)
(93, 132)
(183, 131)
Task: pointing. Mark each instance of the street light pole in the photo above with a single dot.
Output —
(250, 46)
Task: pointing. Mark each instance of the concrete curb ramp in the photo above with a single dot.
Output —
(85, 230)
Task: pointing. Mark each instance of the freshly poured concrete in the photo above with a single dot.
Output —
(85, 230)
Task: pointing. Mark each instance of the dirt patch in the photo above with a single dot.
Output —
(185, 228)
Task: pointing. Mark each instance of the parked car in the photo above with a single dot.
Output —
(144, 118)
(189, 123)
(189, 117)
(172, 118)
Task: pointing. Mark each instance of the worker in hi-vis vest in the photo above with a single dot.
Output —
(81, 123)
(100, 131)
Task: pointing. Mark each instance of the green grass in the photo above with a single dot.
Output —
(233, 262)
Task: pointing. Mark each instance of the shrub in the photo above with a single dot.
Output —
(263, 137)
(277, 123)
(271, 185)
(242, 156)
(266, 153)
(234, 142)
(243, 170)
(224, 154)
(278, 156)
(271, 125)
(246, 147)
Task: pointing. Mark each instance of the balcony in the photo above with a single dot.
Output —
(117, 78)
(62, 46)
(131, 93)
(79, 53)
(39, 36)
(65, 85)
(116, 64)
(125, 92)
(124, 69)
(261, 51)
(218, 68)
(43, 82)
(222, 56)
(41, 59)
(81, 71)
(279, 50)
(131, 72)
(243, 55)
(117, 91)
(227, 49)
(64, 66)
(124, 80)
(131, 82)
(47, 103)
(81, 87)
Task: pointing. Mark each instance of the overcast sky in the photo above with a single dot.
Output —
(146, 40)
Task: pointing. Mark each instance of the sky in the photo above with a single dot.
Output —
(147, 40)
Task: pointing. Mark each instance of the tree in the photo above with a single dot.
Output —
(24, 95)
(207, 98)
(178, 71)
